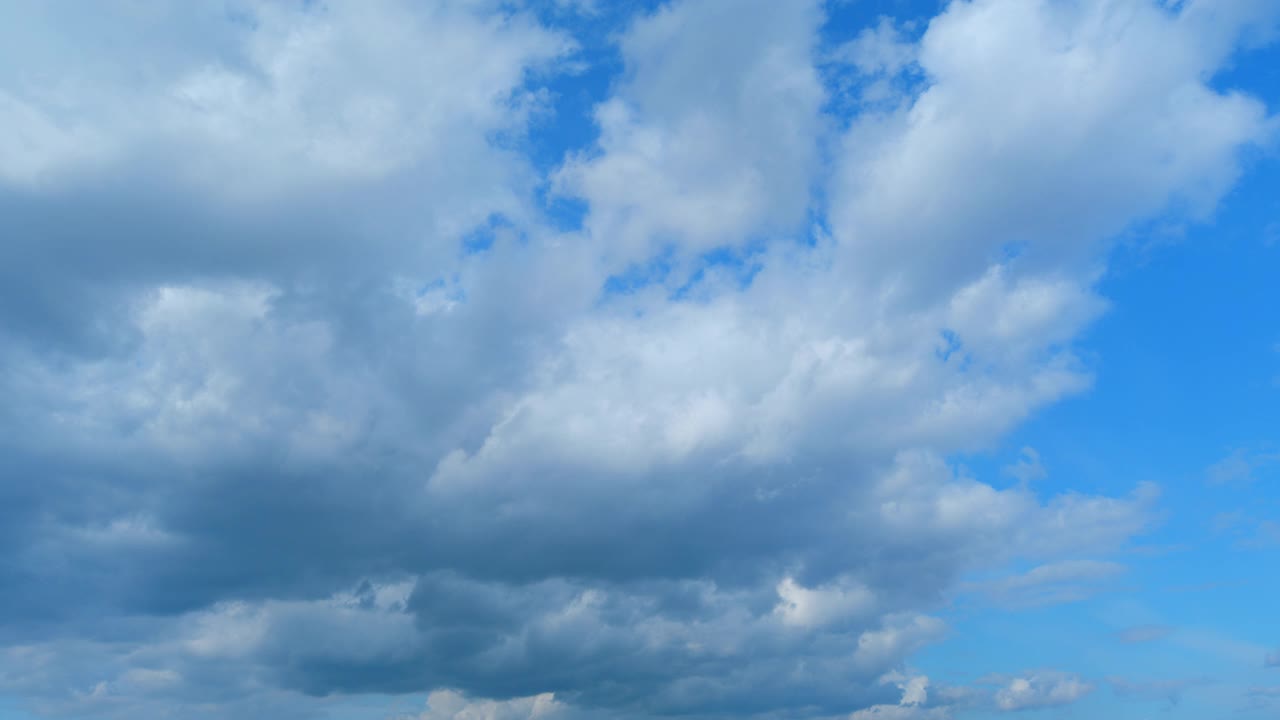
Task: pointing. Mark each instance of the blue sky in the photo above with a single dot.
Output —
(573, 360)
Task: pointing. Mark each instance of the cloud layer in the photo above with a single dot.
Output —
(310, 393)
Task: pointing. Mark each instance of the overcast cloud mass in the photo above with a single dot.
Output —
(492, 360)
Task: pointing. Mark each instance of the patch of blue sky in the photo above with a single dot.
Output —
(847, 18)
(851, 91)
(949, 346)
(565, 214)
(482, 238)
(738, 266)
(638, 276)
(685, 282)
(1255, 71)
(1186, 363)
(567, 125)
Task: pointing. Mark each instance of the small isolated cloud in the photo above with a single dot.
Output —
(452, 705)
(1143, 634)
(1240, 467)
(1041, 690)
(882, 49)
(1027, 468)
(915, 695)
(1272, 660)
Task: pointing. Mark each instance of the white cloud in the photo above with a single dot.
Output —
(450, 705)
(283, 100)
(717, 157)
(1071, 123)
(914, 695)
(227, 630)
(657, 505)
(900, 636)
(1040, 691)
(901, 712)
(1027, 468)
(878, 50)
(809, 607)
(1241, 466)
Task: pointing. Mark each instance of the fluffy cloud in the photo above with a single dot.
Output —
(268, 97)
(720, 157)
(307, 396)
(295, 145)
(915, 694)
(1059, 133)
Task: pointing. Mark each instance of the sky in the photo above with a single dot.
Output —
(589, 360)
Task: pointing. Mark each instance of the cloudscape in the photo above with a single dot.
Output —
(581, 359)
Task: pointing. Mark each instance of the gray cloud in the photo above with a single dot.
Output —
(274, 432)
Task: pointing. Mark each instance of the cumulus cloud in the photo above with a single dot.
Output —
(272, 96)
(985, 116)
(450, 705)
(308, 395)
(1041, 690)
(695, 161)
(915, 695)
(820, 606)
